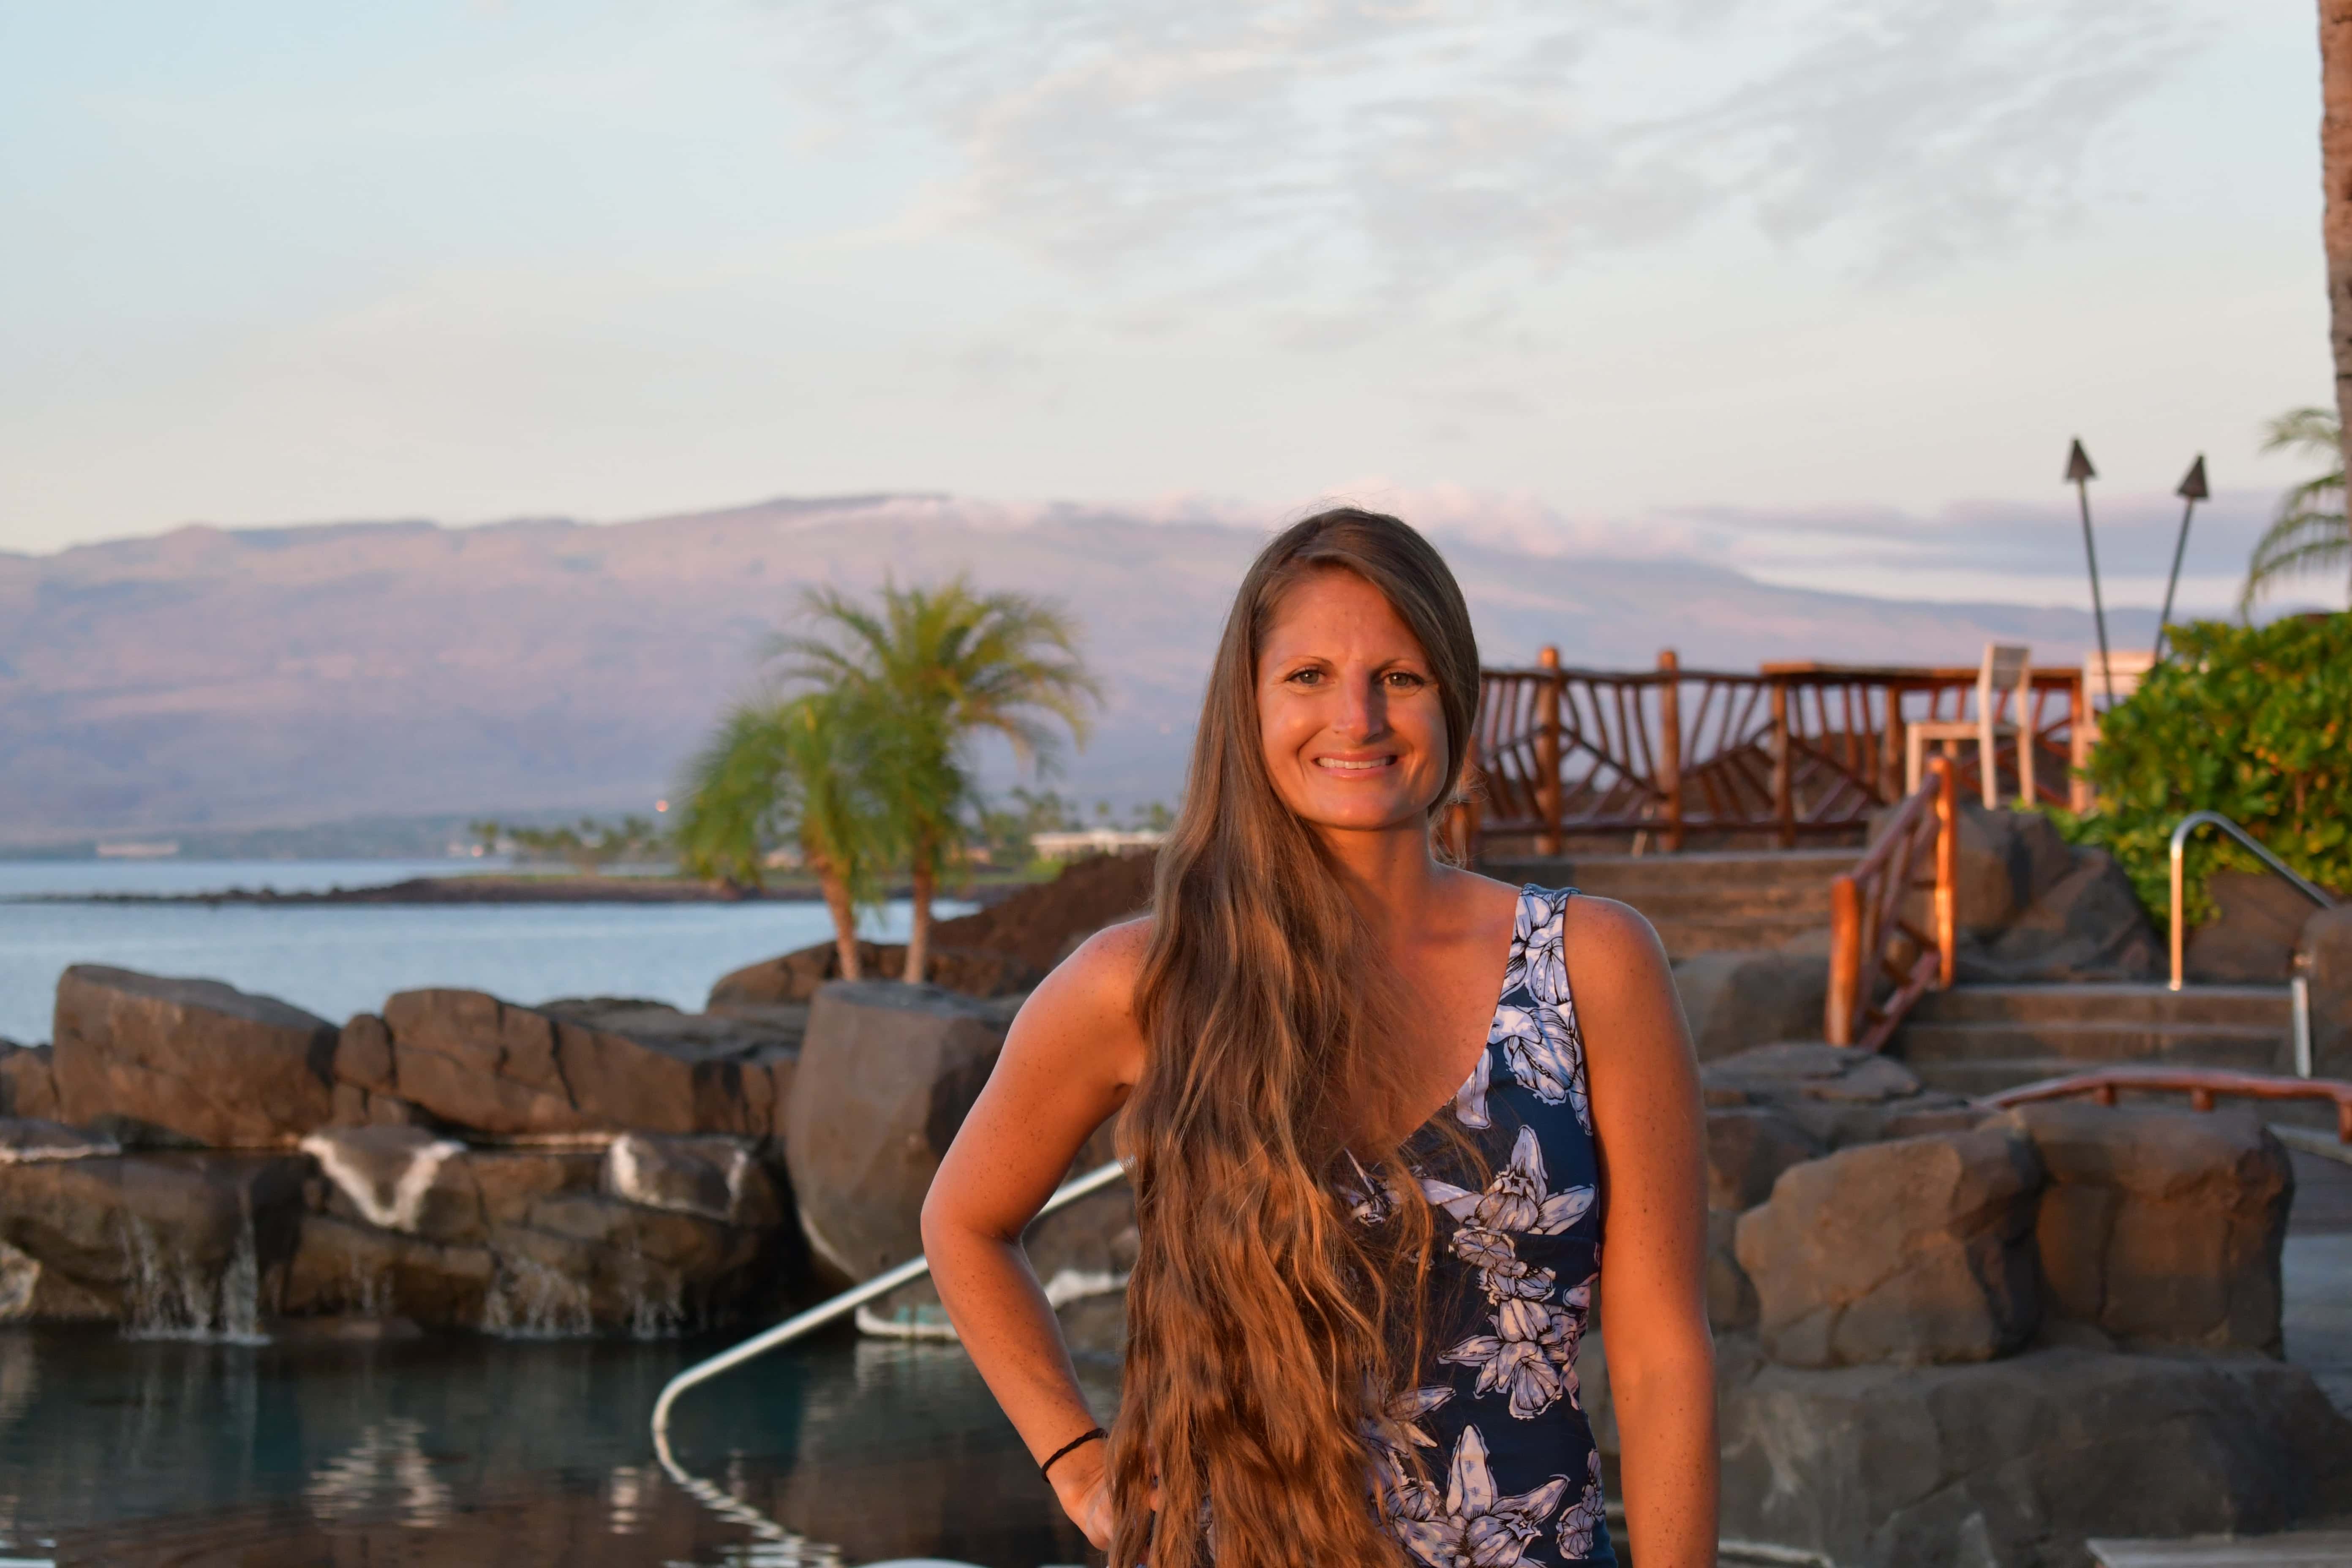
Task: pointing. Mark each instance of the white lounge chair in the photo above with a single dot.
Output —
(2007, 674)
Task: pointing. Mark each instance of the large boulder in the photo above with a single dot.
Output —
(2017, 1463)
(2006, 861)
(718, 1178)
(2251, 939)
(2008, 1464)
(587, 1262)
(2324, 953)
(1837, 1096)
(1735, 1000)
(2161, 1227)
(2087, 925)
(1917, 1250)
(886, 1073)
(28, 1086)
(342, 1265)
(159, 1241)
(164, 1060)
(1748, 1147)
(470, 1061)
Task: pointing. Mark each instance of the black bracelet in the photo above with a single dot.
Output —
(1065, 1451)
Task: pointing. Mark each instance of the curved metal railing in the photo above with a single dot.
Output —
(2191, 823)
(803, 1323)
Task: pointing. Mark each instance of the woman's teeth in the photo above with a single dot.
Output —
(1353, 767)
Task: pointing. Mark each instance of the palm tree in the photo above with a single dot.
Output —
(2310, 533)
(922, 674)
(796, 770)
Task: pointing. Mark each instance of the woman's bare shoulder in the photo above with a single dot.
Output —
(1087, 1004)
(1611, 948)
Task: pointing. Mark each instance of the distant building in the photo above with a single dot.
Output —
(1093, 841)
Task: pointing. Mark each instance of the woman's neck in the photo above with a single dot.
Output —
(1391, 873)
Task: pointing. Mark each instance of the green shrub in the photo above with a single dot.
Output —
(2252, 721)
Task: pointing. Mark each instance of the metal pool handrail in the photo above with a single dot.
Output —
(817, 1316)
(2190, 824)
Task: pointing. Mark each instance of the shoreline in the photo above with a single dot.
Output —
(511, 889)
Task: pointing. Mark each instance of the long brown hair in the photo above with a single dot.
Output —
(1262, 1322)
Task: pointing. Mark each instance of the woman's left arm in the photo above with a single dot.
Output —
(1652, 1133)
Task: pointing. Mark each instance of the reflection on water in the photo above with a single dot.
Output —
(298, 1452)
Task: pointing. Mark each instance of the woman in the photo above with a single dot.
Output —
(1378, 1112)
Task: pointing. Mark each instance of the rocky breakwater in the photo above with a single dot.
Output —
(188, 1157)
(1948, 1336)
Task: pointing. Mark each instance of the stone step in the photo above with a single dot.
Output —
(2248, 1047)
(1990, 1075)
(2287, 1548)
(1685, 937)
(2101, 1002)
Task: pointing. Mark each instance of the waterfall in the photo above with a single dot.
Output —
(170, 1296)
(528, 1300)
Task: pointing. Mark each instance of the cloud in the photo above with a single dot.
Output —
(1430, 153)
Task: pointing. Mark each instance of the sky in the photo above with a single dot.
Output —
(1821, 288)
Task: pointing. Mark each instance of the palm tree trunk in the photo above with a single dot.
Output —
(835, 888)
(918, 941)
(2335, 176)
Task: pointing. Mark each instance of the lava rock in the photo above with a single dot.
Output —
(2251, 939)
(886, 1075)
(28, 1087)
(718, 1178)
(1737, 1000)
(165, 1240)
(1914, 1251)
(2006, 861)
(1838, 1096)
(1731, 1300)
(470, 1061)
(30, 1293)
(342, 1266)
(2016, 1463)
(1748, 1147)
(2161, 1227)
(390, 1174)
(163, 1060)
(2087, 925)
(26, 1139)
(795, 976)
(587, 1262)
(2325, 955)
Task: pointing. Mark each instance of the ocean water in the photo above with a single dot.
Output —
(338, 960)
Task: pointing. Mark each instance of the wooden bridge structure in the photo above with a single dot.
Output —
(1788, 753)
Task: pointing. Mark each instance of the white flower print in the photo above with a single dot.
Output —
(1529, 1354)
(1369, 1199)
(1581, 1522)
(1470, 1100)
(1502, 1273)
(1537, 957)
(1543, 1052)
(1476, 1527)
(1396, 1427)
(1514, 1201)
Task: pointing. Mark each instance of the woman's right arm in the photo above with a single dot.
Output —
(1072, 1055)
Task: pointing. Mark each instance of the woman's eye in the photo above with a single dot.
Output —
(1307, 677)
(1405, 679)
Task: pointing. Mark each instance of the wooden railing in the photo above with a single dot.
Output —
(1794, 750)
(1873, 938)
(2201, 1085)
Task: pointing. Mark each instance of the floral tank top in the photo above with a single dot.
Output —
(1513, 1477)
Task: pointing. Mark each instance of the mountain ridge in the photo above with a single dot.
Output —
(226, 677)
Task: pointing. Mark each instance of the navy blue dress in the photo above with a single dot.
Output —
(1512, 1474)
